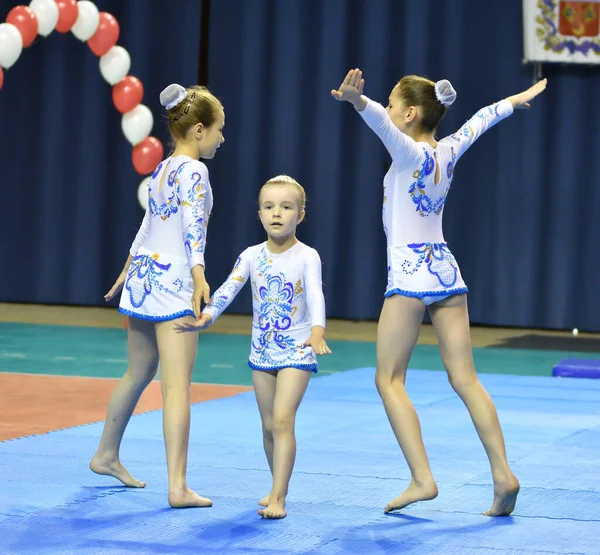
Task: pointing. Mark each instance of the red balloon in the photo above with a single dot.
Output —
(147, 155)
(67, 15)
(106, 36)
(1, 77)
(127, 94)
(24, 19)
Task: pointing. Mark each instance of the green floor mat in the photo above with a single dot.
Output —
(222, 359)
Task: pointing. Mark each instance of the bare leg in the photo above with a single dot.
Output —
(450, 319)
(397, 334)
(265, 384)
(177, 357)
(291, 386)
(143, 362)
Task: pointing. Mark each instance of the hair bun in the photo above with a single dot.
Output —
(172, 95)
(444, 92)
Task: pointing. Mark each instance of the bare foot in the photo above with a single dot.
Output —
(115, 469)
(411, 494)
(505, 497)
(264, 502)
(187, 498)
(274, 510)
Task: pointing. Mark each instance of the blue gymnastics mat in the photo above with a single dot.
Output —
(348, 466)
(577, 368)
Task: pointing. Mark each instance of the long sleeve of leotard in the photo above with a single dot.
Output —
(483, 120)
(314, 288)
(193, 188)
(225, 294)
(141, 234)
(404, 151)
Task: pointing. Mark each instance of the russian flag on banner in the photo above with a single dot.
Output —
(562, 31)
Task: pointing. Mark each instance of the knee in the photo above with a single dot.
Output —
(141, 377)
(175, 389)
(381, 380)
(267, 427)
(283, 422)
(386, 379)
(462, 381)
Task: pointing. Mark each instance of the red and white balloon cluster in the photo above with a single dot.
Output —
(100, 30)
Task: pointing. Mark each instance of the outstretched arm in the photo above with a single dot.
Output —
(489, 116)
(521, 101)
(404, 151)
(223, 296)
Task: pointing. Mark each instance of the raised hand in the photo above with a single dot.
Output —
(521, 101)
(351, 88)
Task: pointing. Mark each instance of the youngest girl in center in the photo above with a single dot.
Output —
(288, 326)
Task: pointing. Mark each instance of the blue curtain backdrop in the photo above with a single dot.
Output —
(69, 188)
(522, 217)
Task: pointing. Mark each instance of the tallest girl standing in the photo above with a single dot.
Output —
(423, 273)
(163, 284)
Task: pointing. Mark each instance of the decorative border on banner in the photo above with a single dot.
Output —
(100, 30)
(547, 32)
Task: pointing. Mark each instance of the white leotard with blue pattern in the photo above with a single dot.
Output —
(170, 241)
(287, 301)
(420, 263)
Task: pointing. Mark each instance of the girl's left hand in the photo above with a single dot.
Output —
(318, 344)
(201, 293)
(118, 285)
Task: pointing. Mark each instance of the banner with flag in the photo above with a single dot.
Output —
(562, 31)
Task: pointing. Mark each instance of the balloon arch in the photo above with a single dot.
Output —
(101, 32)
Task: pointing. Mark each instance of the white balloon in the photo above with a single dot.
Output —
(87, 20)
(137, 124)
(11, 44)
(115, 65)
(46, 12)
(142, 193)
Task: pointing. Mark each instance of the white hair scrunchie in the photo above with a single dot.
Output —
(172, 96)
(444, 92)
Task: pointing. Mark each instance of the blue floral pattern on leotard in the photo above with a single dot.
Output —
(281, 308)
(171, 205)
(451, 164)
(229, 289)
(157, 170)
(440, 262)
(195, 238)
(275, 313)
(142, 278)
(467, 131)
(417, 190)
